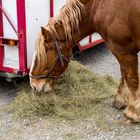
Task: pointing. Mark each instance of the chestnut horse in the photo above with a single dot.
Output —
(117, 21)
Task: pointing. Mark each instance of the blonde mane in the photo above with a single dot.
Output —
(70, 17)
(40, 51)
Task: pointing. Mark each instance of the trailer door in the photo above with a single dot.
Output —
(12, 36)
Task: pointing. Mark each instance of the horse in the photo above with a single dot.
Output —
(117, 21)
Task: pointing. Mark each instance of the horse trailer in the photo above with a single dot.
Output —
(20, 22)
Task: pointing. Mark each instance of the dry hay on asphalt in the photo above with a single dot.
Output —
(78, 93)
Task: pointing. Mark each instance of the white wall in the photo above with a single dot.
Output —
(37, 15)
(57, 5)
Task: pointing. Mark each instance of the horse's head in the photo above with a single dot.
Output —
(53, 46)
(51, 58)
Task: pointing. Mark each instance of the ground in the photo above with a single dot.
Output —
(101, 61)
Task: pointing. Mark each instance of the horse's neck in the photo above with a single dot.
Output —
(85, 26)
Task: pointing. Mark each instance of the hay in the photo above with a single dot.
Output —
(78, 93)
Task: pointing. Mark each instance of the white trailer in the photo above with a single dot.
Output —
(20, 22)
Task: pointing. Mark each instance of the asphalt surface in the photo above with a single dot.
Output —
(7, 91)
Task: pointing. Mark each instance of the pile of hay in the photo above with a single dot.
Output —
(78, 93)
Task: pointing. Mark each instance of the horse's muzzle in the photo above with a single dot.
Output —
(39, 87)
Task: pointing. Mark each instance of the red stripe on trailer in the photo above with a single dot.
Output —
(51, 8)
(13, 71)
(1, 34)
(21, 17)
(9, 70)
(90, 45)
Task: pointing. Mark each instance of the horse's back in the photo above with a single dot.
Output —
(119, 21)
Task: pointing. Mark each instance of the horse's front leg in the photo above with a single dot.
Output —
(128, 60)
(119, 100)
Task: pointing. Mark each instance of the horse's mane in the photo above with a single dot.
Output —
(70, 17)
(41, 51)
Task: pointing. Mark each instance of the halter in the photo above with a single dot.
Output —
(60, 57)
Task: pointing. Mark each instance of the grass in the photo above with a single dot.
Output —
(78, 93)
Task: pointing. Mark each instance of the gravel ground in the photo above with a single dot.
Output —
(101, 61)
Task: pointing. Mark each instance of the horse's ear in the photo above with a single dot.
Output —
(45, 33)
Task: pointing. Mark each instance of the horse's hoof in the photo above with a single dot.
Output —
(118, 105)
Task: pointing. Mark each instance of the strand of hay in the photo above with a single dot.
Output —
(77, 94)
